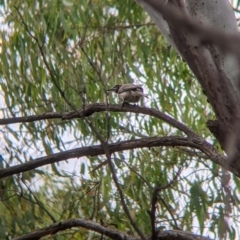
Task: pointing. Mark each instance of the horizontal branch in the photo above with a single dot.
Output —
(109, 232)
(100, 107)
(68, 224)
(193, 139)
(172, 141)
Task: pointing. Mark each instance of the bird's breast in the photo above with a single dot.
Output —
(130, 96)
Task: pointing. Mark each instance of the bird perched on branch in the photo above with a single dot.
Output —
(128, 93)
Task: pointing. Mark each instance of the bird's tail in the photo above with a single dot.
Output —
(144, 95)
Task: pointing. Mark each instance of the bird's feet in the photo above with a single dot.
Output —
(125, 103)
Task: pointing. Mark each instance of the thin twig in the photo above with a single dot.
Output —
(169, 211)
(152, 212)
(140, 176)
(98, 72)
(38, 203)
(168, 185)
(114, 177)
(40, 47)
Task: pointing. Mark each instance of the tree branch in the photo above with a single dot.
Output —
(101, 107)
(203, 47)
(115, 179)
(205, 34)
(68, 224)
(96, 150)
(152, 212)
(109, 232)
(194, 140)
(42, 53)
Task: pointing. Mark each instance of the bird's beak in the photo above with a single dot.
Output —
(111, 89)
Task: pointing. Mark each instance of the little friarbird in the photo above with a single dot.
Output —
(128, 93)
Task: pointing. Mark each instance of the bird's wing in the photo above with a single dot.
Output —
(130, 87)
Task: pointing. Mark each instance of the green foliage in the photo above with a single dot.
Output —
(61, 55)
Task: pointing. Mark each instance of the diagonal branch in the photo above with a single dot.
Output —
(37, 201)
(42, 53)
(96, 150)
(205, 34)
(203, 46)
(115, 179)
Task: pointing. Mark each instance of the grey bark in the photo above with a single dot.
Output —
(205, 34)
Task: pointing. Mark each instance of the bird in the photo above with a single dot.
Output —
(128, 93)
